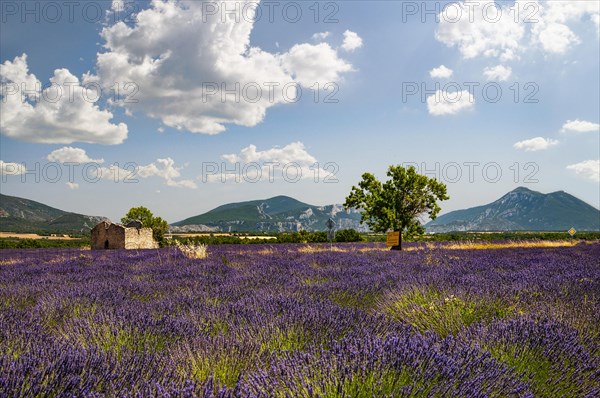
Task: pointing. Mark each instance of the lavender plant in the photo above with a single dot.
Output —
(282, 321)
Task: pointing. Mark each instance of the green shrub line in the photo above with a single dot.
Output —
(351, 235)
(492, 236)
(344, 235)
(19, 243)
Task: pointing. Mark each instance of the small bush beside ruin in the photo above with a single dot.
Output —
(191, 250)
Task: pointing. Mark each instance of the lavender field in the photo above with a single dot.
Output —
(287, 321)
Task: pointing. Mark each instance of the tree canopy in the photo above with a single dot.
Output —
(399, 203)
(145, 216)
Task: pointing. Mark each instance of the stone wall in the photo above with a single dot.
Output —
(139, 239)
(108, 236)
(114, 236)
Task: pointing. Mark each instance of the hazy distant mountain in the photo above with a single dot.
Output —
(522, 210)
(23, 215)
(277, 214)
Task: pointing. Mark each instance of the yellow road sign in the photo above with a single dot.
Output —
(393, 239)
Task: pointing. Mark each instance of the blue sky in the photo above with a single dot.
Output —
(181, 137)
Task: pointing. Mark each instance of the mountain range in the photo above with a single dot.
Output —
(522, 210)
(277, 214)
(519, 210)
(24, 215)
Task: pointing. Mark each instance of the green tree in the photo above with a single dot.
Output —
(398, 203)
(145, 216)
(347, 235)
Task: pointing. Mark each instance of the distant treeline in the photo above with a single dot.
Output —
(508, 235)
(350, 235)
(345, 235)
(17, 243)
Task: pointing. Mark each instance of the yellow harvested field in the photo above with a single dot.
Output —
(34, 236)
(322, 248)
(504, 245)
(192, 235)
(451, 246)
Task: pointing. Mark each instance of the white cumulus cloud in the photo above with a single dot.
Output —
(117, 5)
(587, 168)
(165, 169)
(12, 169)
(352, 41)
(71, 155)
(441, 72)
(556, 37)
(131, 173)
(480, 28)
(536, 144)
(580, 126)
(293, 159)
(73, 185)
(310, 64)
(486, 28)
(214, 79)
(449, 103)
(321, 36)
(61, 113)
(293, 152)
(499, 72)
(552, 31)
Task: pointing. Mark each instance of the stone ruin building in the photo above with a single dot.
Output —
(107, 235)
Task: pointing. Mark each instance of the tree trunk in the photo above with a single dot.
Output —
(399, 247)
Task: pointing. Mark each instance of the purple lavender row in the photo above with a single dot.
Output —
(287, 321)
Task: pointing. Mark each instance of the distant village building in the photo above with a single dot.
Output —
(107, 235)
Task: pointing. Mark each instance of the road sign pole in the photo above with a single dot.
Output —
(330, 233)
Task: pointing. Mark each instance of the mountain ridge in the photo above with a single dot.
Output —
(277, 214)
(25, 215)
(522, 209)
